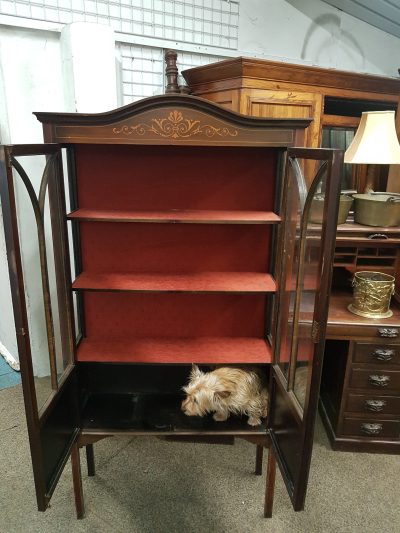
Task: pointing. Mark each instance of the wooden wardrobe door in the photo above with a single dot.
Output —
(39, 268)
(306, 252)
(269, 103)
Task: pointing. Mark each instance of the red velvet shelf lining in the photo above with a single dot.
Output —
(240, 282)
(121, 315)
(188, 216)
(154, 178)
(172, 248)
(205, 350)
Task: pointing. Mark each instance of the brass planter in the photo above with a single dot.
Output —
(377, 209)
(372, 292)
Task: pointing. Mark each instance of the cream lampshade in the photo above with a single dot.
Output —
(375, 141)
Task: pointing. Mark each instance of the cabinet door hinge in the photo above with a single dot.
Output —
(315, 335)
(22, 332)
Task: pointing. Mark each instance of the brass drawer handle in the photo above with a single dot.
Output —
(380, 354)
(377, 236)
(371, 429)
(375, 405)
(388, 332)
(379, 381)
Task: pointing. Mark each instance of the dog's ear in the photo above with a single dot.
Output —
(222, 394)
(195, 372)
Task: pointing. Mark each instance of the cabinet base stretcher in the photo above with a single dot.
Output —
(87, 440)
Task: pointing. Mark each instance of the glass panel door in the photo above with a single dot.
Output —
(32, 196)
(306, 245)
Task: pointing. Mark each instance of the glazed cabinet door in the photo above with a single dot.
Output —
(33, 204)
(304, 272)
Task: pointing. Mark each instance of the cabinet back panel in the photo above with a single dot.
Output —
(125, 315)
(173, 248)
(174, 177)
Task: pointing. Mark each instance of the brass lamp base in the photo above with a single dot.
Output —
(366, 314)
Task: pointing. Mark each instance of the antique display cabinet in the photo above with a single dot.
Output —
(167, 232)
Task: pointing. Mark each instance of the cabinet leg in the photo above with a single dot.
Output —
(90, 460)
(259, 459)
(270, 487)
(77, 482)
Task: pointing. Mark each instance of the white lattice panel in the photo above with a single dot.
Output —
(189, 60)
(143, 69)
(206, 22)
(142, 72)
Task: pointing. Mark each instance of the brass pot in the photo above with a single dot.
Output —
(317, 208)
(377, 209)
(372, 292)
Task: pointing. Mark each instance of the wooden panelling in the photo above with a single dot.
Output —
(259, 72)
(285, 104)
(228, 99)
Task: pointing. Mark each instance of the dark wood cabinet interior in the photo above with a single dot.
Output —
(147, 399)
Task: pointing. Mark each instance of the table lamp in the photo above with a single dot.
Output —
(375, 141)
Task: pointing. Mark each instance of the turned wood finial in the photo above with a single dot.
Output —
(171, 72)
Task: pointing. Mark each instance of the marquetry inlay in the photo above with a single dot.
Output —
(175, 126)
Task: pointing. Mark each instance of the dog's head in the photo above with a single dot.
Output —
(201, 393)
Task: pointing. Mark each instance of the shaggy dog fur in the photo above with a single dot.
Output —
(226, 390)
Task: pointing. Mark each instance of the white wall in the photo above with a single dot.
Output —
(313, 32)
(88, 58)
(41, 71)
(32, 78)
(31, 81)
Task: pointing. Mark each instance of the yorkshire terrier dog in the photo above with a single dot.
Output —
(223, 391)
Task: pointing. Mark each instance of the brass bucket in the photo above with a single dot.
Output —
(372, 292)
(317, 208)
(377, 209)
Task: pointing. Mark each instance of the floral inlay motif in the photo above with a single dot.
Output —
(176, 126)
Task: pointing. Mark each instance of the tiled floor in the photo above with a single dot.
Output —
(8, 376)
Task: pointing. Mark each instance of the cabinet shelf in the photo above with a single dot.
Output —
(183, 216)
(233, 282)
(147, 413)
(206, 350)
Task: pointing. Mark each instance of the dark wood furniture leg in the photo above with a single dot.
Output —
(77, 482)
(270, 487)
(91, 470)
(259, 459)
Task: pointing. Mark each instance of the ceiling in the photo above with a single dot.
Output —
(383, 14)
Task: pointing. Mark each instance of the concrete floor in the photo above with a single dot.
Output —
(145, 485)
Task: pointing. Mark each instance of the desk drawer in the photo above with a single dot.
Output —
(373, 404)
(377, 353)
(375, 379)
(361, 330)
(360, 427)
